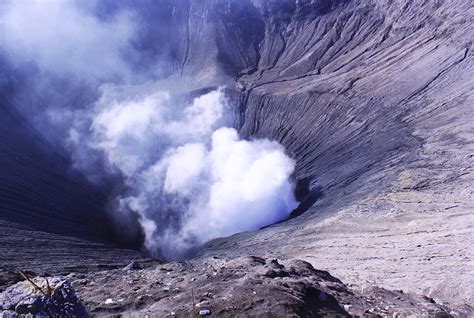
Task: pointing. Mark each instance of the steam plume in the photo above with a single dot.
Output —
(190, 179)
(185, 173)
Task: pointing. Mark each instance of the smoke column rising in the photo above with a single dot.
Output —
(186, 174)
(190, 179)
(65, 39)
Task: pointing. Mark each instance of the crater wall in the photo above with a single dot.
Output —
(374, 100)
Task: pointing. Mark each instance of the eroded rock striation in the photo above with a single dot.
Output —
(373, 99)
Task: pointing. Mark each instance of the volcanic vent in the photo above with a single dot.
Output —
(364, 107)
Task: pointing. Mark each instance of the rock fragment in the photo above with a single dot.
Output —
(24, 299)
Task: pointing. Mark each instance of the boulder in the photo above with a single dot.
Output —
(57, 300)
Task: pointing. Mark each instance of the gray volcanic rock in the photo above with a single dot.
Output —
(23, 299)
(244, 287)
(42, 253)
(373, 99)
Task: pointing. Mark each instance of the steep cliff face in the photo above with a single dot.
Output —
(373, 99)
(51, 219)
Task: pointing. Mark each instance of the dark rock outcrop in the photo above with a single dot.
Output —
(56, 298)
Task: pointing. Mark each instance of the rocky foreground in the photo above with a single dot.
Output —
(241, 287)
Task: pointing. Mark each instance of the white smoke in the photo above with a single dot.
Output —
(186, 174)
(61, 37)
(190, 178)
